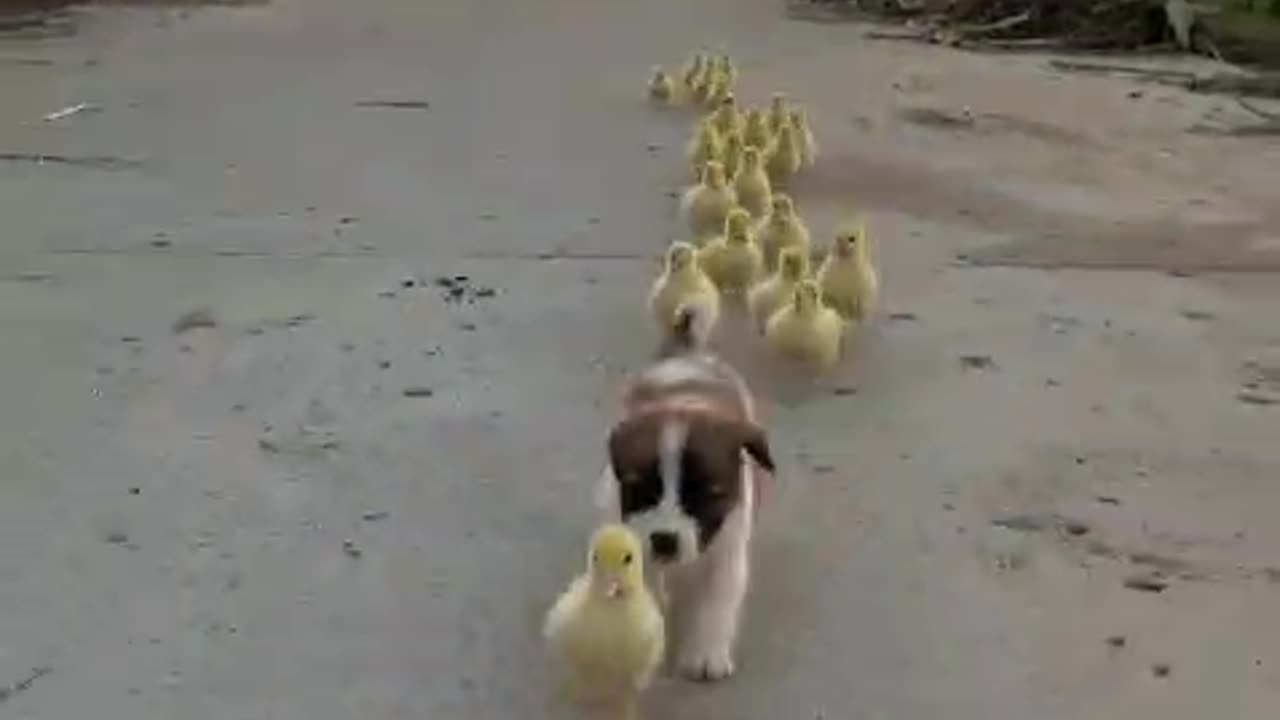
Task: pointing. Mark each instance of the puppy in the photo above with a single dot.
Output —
(686, 462)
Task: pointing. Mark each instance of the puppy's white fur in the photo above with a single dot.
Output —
(705, 590)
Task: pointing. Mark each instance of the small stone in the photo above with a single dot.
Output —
(977, 362)
(1050, 382)
(823, 469)
(1146, 582)
(349, 547)
(467, 327)
(903, 317)
(408, 282)
(1107, 499)
(1117, 641)
(117, 538)
(1258, 397)
(375, 515)
(844, 391)
(193, 319)
(1022, 522)
(1075, 527)
(486, 292)
(1161, 670)
(488, 216)
(135, 491)
(418, 391)
(386, 293)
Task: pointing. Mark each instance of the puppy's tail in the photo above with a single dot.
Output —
(690, 329)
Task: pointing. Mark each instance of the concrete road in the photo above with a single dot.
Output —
(258, 462)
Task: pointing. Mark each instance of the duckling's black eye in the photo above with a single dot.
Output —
(626, 559)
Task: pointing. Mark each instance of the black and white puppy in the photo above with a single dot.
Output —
(686, 462)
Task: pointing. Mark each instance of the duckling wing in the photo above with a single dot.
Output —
(566, 607)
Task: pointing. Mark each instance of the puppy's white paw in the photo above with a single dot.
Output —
(706, 664)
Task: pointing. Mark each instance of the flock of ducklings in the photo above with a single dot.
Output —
(747, 240)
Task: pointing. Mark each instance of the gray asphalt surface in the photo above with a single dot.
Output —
(356, 493)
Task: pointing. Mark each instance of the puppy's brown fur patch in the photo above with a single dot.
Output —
(716, 438)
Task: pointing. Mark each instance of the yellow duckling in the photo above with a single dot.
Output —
(661, 90)
(732, 260)
(849, 281)
(731, 154)
(717, 91)
(784, 156)
(805, 330)
(691, 72)
(705, 145)
(725, 118)
(755, 129)
(704, 85)
(683, 284)
(799, 121)
(777, 115)
(727, 69)
(606, 631)
(752, 184)
(782, 229)
(705, 205)
(775, 290)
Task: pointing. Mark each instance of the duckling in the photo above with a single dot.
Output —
(691, 72)
(784, 157)
(782, 229)
(725, 118)
(728, 70)
(732, 260)
(804, 329)
(849, 281)
(703, 146)
(755, 129)
(731, 154)
(777, 115)
(799, 121)
(717, 89)
(705, 205)
(752, 183)
(703, 84)
(606, 631)
(661, 90)
(683, 284)
(766, 297)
